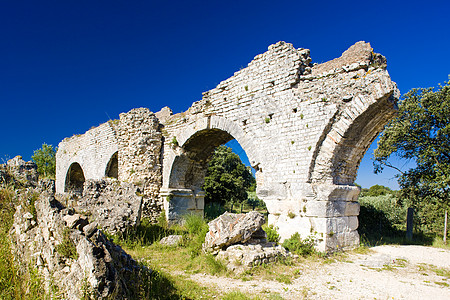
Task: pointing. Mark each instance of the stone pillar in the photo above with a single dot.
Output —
(140, 142)
(328, 212)
(180, 202)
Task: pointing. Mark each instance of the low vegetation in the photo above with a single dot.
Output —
(382, 219)
(15, 283)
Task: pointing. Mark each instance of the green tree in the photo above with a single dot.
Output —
(45, 159)
(376, 190)
(420, 132)
(227, 179)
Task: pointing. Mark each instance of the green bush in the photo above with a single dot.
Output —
(272, 234)
(383, 214)
(215, 266)
(297, 245)
(195, 224)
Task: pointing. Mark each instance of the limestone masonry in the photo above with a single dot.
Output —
(304, 127)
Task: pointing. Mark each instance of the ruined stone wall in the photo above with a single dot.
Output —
(305, 129)
(136, 138)
(140, 143)
(92, 150)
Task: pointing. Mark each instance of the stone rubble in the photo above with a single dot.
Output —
(21, 171)
(239, 258)
(171, 240)
(69, 252)
(240, 242)
(229, 229)
(115, 206)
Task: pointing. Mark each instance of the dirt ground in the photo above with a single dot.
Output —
(386, 272)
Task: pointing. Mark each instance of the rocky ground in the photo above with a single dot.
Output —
(385, 272)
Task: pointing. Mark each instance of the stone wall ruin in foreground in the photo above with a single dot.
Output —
(304, 128)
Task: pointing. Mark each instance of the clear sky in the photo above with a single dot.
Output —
(66, 66)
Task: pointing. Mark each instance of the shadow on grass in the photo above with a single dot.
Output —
(145, 234)
(156, 285)
(376, 229)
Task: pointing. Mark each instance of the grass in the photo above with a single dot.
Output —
(179, 262)
(171, 266)
(438, 242)
(14, 284)
(67, 247)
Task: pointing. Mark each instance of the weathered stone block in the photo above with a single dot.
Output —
(229, 229)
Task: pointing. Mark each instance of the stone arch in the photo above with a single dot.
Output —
(188, 169)
(112, 168)
(344, 143)
(74, 179)
(188, 163)
(206, 125)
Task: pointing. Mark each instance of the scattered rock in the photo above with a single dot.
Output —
(229, 229)
(75, 221)
(242, 257)
(171, 240)
(115, 206)
(76, 258)
(23, 171)
(90, 229)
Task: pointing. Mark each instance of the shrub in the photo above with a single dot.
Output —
(272, 234)
(297, 245)
(382, 214)
(174, 141)
(215, 266)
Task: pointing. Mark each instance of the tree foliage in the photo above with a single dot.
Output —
(420, 132)
(227, 178)
(45, 159)
(376, 190)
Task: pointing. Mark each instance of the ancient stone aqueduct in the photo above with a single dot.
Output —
(304, 127)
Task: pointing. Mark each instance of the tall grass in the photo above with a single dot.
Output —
(14, 283)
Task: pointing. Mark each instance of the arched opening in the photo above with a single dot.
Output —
(186, 184)
(112, 168)
(74, 179)
(189, 168)
(357, 139)
(344, 143)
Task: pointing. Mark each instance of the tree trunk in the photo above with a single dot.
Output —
(409, 224)
(445, 228)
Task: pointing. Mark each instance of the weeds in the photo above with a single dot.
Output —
(283, 278)
(14, 284)
(297, 245)
(236, 295)
(272, 234)
(67, 247)
(197, 228)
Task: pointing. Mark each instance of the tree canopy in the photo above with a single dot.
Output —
(376, 190)
(420, 132)
(45, 159)
(227, 178)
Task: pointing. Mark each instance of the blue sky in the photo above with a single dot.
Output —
(66, 66)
